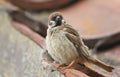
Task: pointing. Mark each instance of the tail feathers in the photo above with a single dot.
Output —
(102, 65)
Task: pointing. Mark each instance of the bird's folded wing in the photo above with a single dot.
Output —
(74, 37)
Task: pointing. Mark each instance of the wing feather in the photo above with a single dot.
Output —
(74, 37)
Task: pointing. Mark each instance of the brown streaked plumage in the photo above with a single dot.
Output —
(65, 45)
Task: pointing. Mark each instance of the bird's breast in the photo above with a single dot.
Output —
(60, 48)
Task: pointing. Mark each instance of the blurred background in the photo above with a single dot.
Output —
(23, 25)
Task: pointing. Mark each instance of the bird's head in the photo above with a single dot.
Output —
(56, 19)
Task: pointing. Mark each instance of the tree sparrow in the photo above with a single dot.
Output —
(65, 45)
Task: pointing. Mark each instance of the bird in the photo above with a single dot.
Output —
(65, 45)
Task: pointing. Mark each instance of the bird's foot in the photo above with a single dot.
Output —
(69, 66)
(62, 65)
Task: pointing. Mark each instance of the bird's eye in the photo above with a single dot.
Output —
(52, 23)
(63, 21)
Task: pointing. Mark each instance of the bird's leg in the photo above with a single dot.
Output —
(67, 66)
(62, 65)
(71, 64)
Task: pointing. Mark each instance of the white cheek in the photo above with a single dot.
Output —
(52, 24)
(63, 20)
